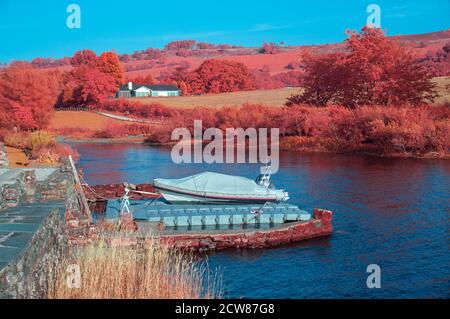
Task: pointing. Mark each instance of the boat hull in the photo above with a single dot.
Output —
(176, 196)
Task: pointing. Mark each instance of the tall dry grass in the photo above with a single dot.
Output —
(40, 139)
(151, 271)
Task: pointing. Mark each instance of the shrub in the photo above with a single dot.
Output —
(17, 139)
(52, 154)
(115, 130)
(73, 132)
(153, 110)
(379, 130)
(218, 76)
(47, 155)
(270, 48)
(40, 139)
(65, 150)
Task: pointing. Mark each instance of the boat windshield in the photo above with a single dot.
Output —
(264, 180)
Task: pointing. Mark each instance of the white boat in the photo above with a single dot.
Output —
(210, 187)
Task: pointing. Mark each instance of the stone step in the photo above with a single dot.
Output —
(42, 174)
(10, 176)
(19, 223)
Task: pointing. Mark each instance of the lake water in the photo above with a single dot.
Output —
(390, 212)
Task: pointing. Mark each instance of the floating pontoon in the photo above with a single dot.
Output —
(188, 215)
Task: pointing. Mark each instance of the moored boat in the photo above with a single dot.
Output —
(210, 187)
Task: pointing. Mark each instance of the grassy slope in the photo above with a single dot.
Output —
(276, 62)
(82, 120)
(443, 88)
(275, 97)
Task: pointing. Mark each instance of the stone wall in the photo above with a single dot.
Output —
(3, 158)
(12, 190)
(56, 186)
(319, 226)
(35, 185)
(27, 276)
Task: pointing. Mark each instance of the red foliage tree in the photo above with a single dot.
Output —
(109, 63)
(148, 79)
(263, 79)
(125, 58)
(153, 53)
(290, 78)
(270, 48)
(323, 80)
(84, 57)
(28, 95)
(49, 62)
(178, 74)
(183, 52)
(205, 46)
(183, 88)
(87, 86)
(217, 76)
(438, 62)
(377, 70)
(42, 62)
(91, 80)
(182, 44)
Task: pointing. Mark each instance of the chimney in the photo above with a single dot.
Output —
(130, 86)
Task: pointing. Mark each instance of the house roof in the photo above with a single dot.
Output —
(153, 87)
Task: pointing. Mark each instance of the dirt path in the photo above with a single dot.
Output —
(16, 158)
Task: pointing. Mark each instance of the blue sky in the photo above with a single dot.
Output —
(38, 28)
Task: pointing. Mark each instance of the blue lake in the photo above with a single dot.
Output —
(390, 212)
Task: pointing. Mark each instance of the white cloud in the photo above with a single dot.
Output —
(268, 27)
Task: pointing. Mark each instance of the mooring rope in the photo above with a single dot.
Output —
(101, 197)
(142, 192)
(89, 188)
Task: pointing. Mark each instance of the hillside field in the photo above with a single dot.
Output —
(443, 88)
(275, 97)
(419, 43)
(80, 120)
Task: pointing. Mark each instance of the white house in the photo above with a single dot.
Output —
(155, 90)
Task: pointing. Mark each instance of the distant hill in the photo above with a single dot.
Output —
(154, 61)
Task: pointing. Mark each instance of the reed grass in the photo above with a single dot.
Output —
(151, 271)
(40, 139)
